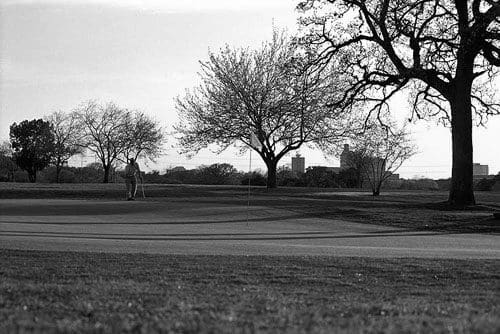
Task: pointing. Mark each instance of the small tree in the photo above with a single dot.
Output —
(381, 151)
(268, 92)
(33, 145)
(67, 135)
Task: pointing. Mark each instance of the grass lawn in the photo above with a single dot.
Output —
(91, 292)
(419, 210)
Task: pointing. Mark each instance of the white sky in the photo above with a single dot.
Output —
(56, 54)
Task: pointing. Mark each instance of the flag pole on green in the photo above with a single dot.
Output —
(257, 145)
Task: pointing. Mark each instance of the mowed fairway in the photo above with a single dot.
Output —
(218, 223)
(199, 259)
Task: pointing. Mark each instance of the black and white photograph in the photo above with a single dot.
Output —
(250, 166)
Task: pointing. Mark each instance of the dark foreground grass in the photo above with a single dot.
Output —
(103, 293)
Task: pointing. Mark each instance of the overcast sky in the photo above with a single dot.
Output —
(56, 54)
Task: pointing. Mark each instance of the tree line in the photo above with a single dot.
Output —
(112, 133)
(314, 177)
(226, 174)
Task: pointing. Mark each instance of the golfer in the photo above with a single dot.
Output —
(131, 172)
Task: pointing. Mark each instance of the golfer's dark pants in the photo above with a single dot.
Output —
(131, 183)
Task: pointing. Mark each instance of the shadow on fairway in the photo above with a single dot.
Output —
(177, 222)
(214, 236)
(78, 209)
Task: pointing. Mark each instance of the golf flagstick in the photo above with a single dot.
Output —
(142, 188)
(249, 178)
(257, 145)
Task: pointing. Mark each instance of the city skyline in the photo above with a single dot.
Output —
(55, 55)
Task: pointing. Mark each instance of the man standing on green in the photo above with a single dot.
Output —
(131, 172)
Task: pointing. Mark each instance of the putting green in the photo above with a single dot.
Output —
(211, 226)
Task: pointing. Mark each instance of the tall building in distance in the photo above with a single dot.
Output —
(345, 162)
(298, 164)
(479, 170)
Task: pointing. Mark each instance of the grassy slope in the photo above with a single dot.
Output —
(152, 293)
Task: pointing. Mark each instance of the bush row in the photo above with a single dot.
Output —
(226, 174)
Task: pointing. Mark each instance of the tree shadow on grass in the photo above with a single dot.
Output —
(216, 236)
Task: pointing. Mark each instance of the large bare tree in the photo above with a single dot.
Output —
(115, 134)
(104, 132)
(267, 92)
(67, 136)
(445, 51)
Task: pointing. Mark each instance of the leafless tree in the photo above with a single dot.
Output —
(67, 136)
(379, 152)
(267, 92)
(104, 132)
(115, 134)
(356, 160)
(444, 51)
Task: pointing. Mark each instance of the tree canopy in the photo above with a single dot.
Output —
(144, 136)
(115, 134)
(268, 92)
(33, 145)
(104, 133)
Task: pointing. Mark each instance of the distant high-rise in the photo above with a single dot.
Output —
(298, 164)
(345, 162)
(479, 170)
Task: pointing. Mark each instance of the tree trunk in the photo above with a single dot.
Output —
(32, 176)
(461, 190)
(377, 185)
(58, 172)
(359, 178)
(106, 174)
(271, 174)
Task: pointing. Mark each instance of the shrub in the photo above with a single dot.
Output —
(485, 184)
(256, 179)
(420, 184)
